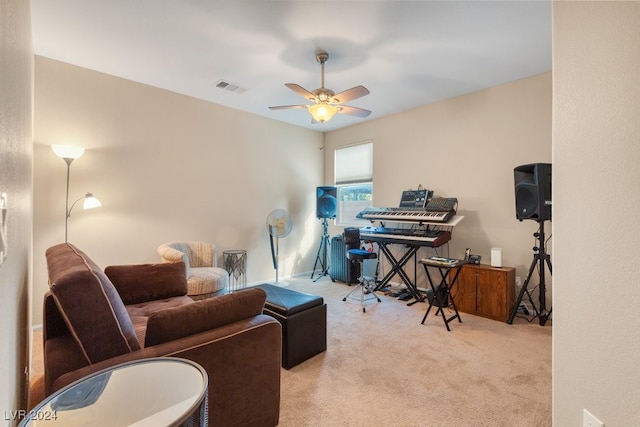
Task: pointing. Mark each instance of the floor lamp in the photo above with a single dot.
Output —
(69, 153)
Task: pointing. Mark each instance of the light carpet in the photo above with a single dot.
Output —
(384, 368)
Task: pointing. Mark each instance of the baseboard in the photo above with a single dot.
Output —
(280, 278)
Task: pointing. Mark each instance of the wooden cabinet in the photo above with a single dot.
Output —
(485, 291)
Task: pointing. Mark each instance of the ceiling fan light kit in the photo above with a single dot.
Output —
(326, 102)
(322, 112)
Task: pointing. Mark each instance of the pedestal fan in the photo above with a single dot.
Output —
(279, 225)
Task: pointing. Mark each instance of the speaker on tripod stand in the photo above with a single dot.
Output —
(326, 208)
(533, 201)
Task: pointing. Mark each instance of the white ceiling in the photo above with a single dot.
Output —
(407, 53)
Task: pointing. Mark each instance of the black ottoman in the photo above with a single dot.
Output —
(304, 322)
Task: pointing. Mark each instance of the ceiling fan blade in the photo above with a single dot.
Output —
(288, 107)
(300, 91)
(353, 111)
(349, 94)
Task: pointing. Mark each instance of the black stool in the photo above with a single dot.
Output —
(357, 256)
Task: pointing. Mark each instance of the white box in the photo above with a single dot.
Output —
(496, 257)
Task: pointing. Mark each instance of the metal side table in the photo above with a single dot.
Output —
(235, 262)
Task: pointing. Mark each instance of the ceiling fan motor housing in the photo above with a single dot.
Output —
(322, 95)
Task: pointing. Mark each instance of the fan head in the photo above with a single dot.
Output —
(279, 223)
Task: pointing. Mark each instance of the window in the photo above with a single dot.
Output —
(354, 181)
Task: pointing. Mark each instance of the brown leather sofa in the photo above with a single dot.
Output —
(94, 319)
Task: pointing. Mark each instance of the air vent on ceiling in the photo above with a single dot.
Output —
(231, 87)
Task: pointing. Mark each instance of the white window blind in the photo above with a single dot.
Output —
(354, 179)
(354, 164)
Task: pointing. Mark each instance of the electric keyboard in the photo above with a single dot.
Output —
(437, 261)
(405, 214)
(433, 238)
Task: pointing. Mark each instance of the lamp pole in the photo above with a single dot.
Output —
(68, 161)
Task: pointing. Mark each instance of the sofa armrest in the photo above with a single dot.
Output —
(147, 282)
(179, 322)
(53, 324)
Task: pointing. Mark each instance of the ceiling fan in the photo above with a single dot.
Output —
(327, 102)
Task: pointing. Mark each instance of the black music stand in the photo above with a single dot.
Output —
(322, 249)
(540, 257)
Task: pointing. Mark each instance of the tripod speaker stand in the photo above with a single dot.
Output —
(321, 257)
(540, 258)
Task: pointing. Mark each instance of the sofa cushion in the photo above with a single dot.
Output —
(89, 304)
(148, 282)
(179, 322)
(140, 312)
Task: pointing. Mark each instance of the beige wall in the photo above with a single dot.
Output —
(167, 167)
(596, 152)
(465, 147)
(16, 103)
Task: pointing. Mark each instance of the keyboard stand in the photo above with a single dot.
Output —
(445, 271)
(397, 267)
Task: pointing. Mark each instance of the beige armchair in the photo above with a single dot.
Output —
(204, 277)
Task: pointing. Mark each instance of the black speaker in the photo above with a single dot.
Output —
(326, 202)
(533, 191)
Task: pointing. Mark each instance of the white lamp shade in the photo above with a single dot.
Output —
(322, 112)
(67, 151)
(91, 202)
